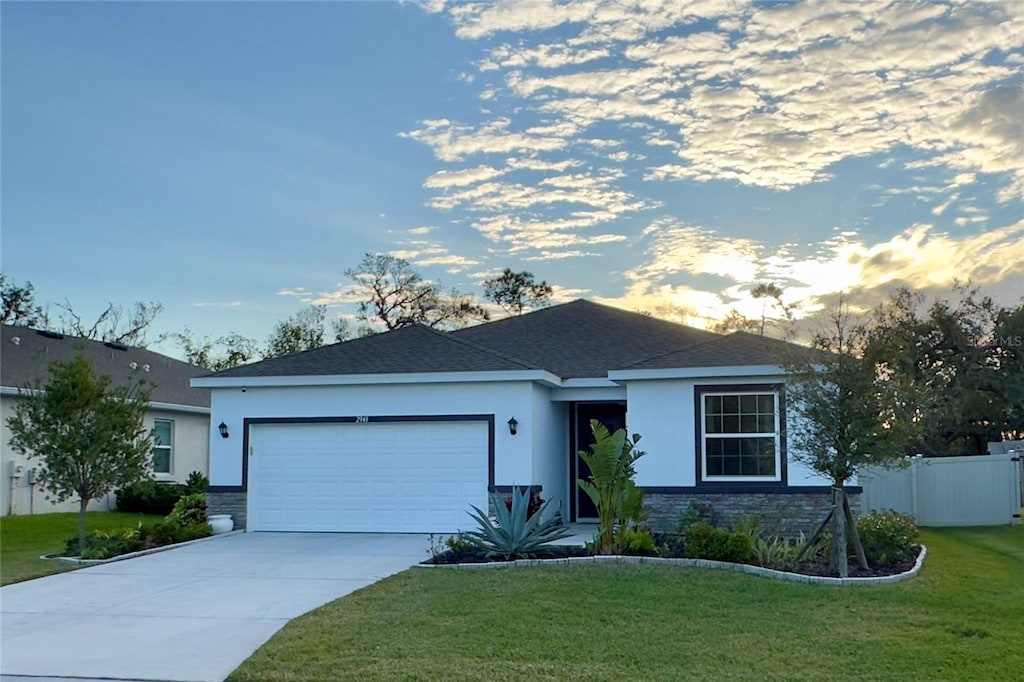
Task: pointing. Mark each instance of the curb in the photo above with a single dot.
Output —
(142, 552)
(770, 573)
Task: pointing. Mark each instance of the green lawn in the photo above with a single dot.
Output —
(23, 539)
(961, 618)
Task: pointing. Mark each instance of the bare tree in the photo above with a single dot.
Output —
(114, 324)
(397, 296)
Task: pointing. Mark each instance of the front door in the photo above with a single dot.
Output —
(613, 416)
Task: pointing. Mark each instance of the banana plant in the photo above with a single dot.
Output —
(610, 485)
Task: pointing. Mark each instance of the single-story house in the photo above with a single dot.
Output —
(178, 414)
(403, 431)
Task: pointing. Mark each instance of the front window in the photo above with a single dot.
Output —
(740, 436)
(163, 434)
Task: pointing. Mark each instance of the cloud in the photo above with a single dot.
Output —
(217, 304)
(918, 256)
(763, 95)
(594, 105)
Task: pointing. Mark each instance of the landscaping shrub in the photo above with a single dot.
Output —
(167, 532)
(636, 542)
(149, 497)
(104, 545)
(189, 510)
(704, 541)
(197, 482)
(886, 536)
(675, 542)
(186, 521)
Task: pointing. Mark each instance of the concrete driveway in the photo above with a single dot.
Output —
(190, 613)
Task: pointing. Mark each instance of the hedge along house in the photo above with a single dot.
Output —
(178, 414)
(403, 431)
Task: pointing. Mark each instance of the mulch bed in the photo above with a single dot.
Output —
(450, 557)
(902, 565)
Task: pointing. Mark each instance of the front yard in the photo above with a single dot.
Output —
(23, 539)
(960, 619)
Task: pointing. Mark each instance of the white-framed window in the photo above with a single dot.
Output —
(163, 445)
(740, 438)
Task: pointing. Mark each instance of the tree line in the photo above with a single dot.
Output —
(393, 295)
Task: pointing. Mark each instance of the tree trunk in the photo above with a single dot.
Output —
(862, 560)
(83, 504)
(839, 555)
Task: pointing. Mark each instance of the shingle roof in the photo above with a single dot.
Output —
(412, 349)
(736, 349)
(580, 339)
(26, 363)
(583, 339)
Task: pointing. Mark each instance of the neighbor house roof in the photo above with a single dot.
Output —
(408, 350)
(25, 356)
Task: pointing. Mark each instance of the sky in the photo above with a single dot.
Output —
(231, 160)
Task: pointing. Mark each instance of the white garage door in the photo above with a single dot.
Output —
(411, 477)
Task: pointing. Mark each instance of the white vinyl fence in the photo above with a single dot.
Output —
(983, 490)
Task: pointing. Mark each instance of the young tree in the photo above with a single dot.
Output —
(87, 435)
(514, 291)
(397, 296)
(846, 412)
(19, 304)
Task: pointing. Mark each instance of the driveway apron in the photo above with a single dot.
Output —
(192, 613)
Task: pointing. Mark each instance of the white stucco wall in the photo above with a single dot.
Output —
(663, 413)
(551, 448)
(513, 454)
(189, 453)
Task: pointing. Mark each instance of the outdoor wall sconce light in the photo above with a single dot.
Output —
(223, 428)
(513, 426)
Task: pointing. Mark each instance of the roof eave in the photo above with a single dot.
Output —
(538, 375)
(727, 371)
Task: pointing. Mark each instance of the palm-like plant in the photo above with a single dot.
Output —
(518, 535)
(611, 485)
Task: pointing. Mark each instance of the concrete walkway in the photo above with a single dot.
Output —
(192, 613)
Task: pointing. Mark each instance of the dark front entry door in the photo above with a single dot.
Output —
(613, 416)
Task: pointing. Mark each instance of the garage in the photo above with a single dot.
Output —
(366, 475)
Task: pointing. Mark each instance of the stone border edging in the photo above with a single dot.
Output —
(141, 552)
(784, 576)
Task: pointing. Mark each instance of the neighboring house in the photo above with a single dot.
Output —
(179, 415)
(403, 431)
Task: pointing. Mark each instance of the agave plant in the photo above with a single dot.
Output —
(518, 534)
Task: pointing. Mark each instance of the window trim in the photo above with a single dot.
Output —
(169, 447)
(781, 477)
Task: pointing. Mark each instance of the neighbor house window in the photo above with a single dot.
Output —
(163, 439)
(740, 436)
